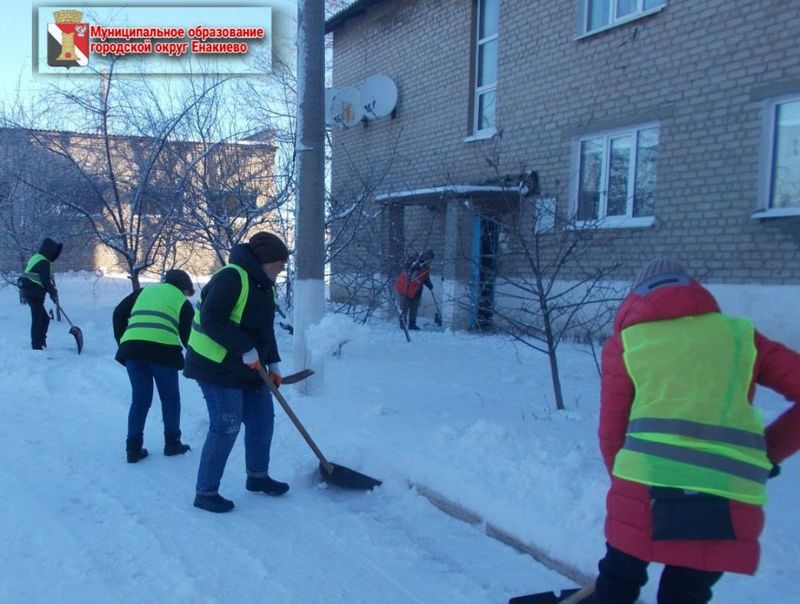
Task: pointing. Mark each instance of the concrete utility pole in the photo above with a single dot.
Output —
(309, 292)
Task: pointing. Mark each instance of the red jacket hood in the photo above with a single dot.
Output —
(665, 302)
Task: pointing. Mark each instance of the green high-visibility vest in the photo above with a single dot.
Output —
(691, 425)
(201, 342)
(155, 316)
(29, 274)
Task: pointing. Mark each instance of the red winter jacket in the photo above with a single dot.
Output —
(628, 518)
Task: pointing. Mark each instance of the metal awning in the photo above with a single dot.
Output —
(443, 193)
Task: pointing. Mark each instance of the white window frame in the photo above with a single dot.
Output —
(479, 91)
(614, 21)
(603, 221)
(767, 158)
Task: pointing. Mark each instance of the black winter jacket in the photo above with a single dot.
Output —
(254, 331)
(150, 352)
(50, 250)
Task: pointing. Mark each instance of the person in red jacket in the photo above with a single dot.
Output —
(687, 454)
(408, 286)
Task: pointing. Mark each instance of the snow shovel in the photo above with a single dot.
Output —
(567, 596)
(437, 317)
(297, 377)
(73, 329)
(330, 472)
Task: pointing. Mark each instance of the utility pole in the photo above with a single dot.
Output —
(309, 288)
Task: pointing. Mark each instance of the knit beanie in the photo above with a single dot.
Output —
(659, 266)
(268, 247)
(427, 256)
(179, 279)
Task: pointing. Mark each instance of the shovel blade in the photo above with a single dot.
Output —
(347, 478)
(78, 335)
(547, 597)
(297, 377)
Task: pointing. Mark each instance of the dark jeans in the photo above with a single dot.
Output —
(622, 577)
(228, 408)
(408, 309)
(142, 376)
(39, 323)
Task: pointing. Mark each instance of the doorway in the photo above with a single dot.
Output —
(483, 262)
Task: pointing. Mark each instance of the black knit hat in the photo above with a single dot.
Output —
(268, 247)
(179, 279)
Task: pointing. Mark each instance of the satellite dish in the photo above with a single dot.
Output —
(346, 107)
(378, 96)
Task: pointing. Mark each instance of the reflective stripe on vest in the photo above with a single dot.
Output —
(29, 274)
(201, 342)
(155, 316)
(691, 425)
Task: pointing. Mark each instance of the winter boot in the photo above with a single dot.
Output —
(173, 444)
(135, 451)
(213, 503)
(266, 485)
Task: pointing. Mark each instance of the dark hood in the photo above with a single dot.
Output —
(242, 255)
(50, 249)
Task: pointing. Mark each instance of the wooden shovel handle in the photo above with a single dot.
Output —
(586, 591)
(297, 424)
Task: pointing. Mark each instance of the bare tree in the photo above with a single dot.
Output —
(549, 280)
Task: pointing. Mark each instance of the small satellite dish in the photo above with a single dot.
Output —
(330, 93)
(378, 96)
(346, 107)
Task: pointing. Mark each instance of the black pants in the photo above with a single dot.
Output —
(39, 323)
(622, 577)
(408, 309)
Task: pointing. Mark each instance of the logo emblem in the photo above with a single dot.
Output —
(68, 40)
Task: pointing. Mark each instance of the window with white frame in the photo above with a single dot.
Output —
(783, 155)
(600, 14)
(488, 18)
(616, 176)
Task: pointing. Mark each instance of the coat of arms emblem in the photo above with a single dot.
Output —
(68, 40)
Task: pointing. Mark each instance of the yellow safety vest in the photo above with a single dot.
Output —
(691, 425)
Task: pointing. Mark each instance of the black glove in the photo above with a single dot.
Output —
(776, 469)
(429, 286)
(54, 298)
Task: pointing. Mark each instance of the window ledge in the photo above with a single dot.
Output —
(775, 213)
(618, 222)
(481, 135)
(623, 21)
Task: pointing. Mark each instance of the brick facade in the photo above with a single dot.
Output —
(701, 71)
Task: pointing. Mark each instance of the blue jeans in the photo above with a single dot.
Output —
(142, 376)
(228, 408)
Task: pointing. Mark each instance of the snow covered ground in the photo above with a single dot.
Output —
(468, 416)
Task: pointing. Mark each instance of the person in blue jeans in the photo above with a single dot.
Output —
(151, 326)
(231, 336)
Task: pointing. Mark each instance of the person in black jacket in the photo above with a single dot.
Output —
(231, 336)
(150, 327)
(35, 283)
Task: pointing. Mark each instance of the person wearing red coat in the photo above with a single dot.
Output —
(712, 534)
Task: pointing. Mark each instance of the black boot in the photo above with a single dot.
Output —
(213, 503)
(173, 444)
(135, 451)
(266, 485)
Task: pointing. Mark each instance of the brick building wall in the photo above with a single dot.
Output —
(701, 71)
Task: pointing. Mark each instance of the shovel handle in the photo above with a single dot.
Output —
(61, 310)
(583, 593)
(297, 424)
